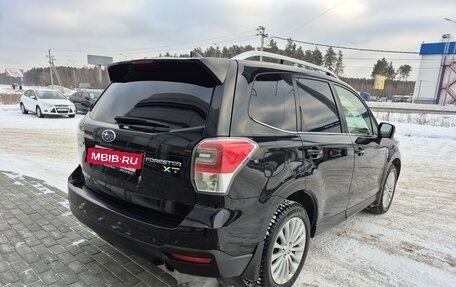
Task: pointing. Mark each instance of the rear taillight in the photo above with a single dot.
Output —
(216, 162)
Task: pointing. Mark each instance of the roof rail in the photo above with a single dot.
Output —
(296, 62)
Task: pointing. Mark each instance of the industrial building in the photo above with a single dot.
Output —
(436, 82)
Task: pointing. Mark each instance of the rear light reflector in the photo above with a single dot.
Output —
(216, 162)
(191, 259)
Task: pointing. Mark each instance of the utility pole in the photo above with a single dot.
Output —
(51, 67)
(51, 64)
(262, 34)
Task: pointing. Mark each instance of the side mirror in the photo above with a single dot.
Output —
(33, 97)
(386, 130)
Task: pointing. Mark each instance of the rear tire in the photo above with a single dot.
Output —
(38, 112)
(286, 246)
(383, 203)
(23, 110)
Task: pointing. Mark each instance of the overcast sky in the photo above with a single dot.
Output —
(136, 29)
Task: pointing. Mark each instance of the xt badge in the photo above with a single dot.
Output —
(168, 166)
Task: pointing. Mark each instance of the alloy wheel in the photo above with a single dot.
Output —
(388, 189)
(288, 250)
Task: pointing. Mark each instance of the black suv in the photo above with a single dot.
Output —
(227, 167)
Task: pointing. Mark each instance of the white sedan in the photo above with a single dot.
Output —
(46, 102)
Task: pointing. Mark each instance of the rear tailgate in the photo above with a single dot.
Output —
(157, 111)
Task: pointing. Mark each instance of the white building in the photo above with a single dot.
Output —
(436, 82)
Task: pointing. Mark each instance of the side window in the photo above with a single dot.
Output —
(356, 114)
(318, 109)
(272, 101)
(32, 93)
(27, 93)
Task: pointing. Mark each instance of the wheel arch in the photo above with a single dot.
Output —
(308, 201)
(397, 164)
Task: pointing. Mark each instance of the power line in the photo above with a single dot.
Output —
(316, 17)
(345, 47)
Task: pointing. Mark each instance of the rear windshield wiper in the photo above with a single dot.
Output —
(140, 121)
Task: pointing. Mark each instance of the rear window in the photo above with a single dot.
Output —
(272, 101)
(179, 105)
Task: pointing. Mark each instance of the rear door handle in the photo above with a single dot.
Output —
(360, 151)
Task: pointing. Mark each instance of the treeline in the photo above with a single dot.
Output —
(333, 60)
(392, 87)
(330, 60)
(70, 77)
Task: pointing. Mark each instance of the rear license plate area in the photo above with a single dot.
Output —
(126, 162)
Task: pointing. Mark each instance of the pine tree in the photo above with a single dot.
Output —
(290, 48)
(330, 59)
(272, 47)
(317, 57)
(404, 71)
(339, 67)
(308, 56)
(384, 69)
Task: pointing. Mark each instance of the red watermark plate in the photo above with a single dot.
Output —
(115, 158)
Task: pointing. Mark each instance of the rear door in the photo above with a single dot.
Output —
(158, 111)
(269, 117)
(370, 156)
(328, 151)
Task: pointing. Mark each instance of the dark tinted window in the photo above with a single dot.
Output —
(272, 101)
(356, 114)
(318, 110)
(178, 105)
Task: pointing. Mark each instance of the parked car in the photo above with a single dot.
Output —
(84, 99)
(46, 102)
(401, 99)
(227, 167)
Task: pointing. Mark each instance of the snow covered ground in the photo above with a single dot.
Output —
(414, 244)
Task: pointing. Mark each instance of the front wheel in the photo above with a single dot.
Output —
(383, 204)
(286, 245)
(38, 112)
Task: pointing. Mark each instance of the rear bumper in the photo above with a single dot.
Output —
(151, 241)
